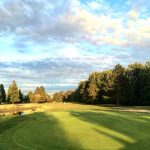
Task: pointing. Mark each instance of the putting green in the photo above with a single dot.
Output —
(75, 129)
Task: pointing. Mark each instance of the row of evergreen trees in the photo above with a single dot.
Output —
(121, 86)
(125, 86)
(14, 95)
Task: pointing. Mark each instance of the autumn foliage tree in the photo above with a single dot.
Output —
(58, 96)
(30, 97)
(39, 96)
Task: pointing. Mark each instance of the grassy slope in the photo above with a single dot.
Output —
(76, 127)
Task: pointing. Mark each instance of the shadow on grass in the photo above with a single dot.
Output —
(133, 133)
(11, 122)
(40, 131)
(133, 116)
(36, 131)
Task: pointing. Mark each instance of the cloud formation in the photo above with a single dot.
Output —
(41, 21)
(53, 73)
(53, 41)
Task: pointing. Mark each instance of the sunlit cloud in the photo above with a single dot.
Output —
(53, 41)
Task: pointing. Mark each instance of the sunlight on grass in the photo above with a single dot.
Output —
(90, 135)
(147, 117)
(76, 127)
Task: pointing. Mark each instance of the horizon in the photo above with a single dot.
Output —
(58, 44)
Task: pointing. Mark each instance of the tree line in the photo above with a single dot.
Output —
(14, 95)
(120, 86)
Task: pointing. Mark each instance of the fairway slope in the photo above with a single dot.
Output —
(76, 127)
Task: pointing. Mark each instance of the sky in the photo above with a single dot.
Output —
(58, 43)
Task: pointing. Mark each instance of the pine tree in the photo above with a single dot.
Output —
(2, 94)
(136, 77)
(13, 93)
(21, 96)
(119, 73)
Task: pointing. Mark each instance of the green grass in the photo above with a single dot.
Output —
(86, 128)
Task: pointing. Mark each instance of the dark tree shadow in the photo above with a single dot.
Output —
(37, 131)
(134, 116)
(11, 122)
(134, 127)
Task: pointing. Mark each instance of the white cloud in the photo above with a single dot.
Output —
(133, 15)
(72, 23)
(94, 5)
(40, 25)
(70, 52)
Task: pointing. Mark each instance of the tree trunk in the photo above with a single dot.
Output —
(118, 96)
